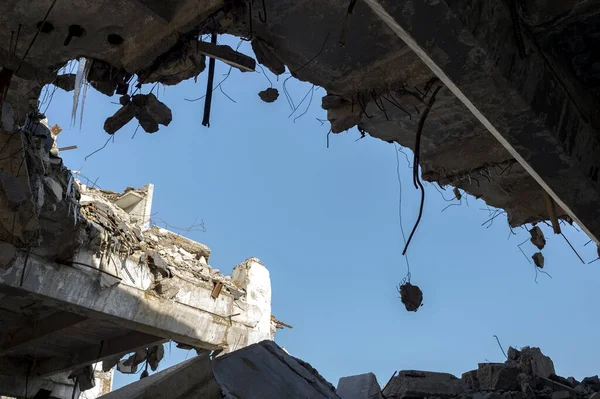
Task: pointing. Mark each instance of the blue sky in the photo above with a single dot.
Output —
(325, 223)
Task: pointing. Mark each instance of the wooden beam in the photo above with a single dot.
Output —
(40, 330)
(95, 353)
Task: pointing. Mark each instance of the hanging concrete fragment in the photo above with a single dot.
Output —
(538, 259)
(120, 118)
(155, 355)
(537, 237)
(150, 112)
(107, 79)
(182, 62)
(65, 82)
(269, 95)
(411, 296)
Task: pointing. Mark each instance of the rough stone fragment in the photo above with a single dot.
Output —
(533, 361)
(573, 382)
(167, 288)
(537, 237)
(66, 81)
(120, 118)
(147, 121)
(363, 386)
(538, 259)
(411, 296)
(470, 380)
(158, 110)
(421, 384)
(105, 78)
(7, 254)
(183, 62)
(498, 376)
(13, 189)
(265, 56)
(155, 355)
(269, 95)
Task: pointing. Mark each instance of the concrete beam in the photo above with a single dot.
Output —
(95, 353)
(41, 329)
(227, 55)
(520, 101)
(79, 291)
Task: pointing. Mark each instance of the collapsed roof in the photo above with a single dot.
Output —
(541, 104)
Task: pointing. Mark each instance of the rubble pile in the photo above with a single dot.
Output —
(169, 258)
(526, 374)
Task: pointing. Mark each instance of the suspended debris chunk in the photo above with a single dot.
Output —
(411, 296)
(537, 237)
(182, 62)
(150, 112)
(65, 82)
(457, 193)
(269, 95)
(120, 118)
(155, 355)
(105, 78)
(538, 259)
(267, 57)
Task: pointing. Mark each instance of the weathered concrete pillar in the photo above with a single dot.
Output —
(254, 277)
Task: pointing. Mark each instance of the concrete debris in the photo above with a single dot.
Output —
(531, 361)
(155, 355)
(537, 237)
(420, 384)
(411, 296)
(65, 82)
(266, 56)
(363, 386)
(341, 113)
(122, 117)
(269, 95)
(497, 377)
(538, 259)
(107, 79)
(182, 62)
(227, 55)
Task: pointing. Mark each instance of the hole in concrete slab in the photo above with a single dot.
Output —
(45, 27)
(115, 39)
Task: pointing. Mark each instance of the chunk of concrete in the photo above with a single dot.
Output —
(498, 377)
(421, 384)
(341, 113)
(146, 120)
(183, 62)
(7, 254)
(65, 82)
(537, 237)
(125, 114)
(532, 361)
(363, 386)
(559, 391)
(470, 380)
(269, 95)
(158, 110)
(592, 382)
(538, 259)
(411, 296)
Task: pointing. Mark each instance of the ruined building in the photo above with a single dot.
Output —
(497, 98)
